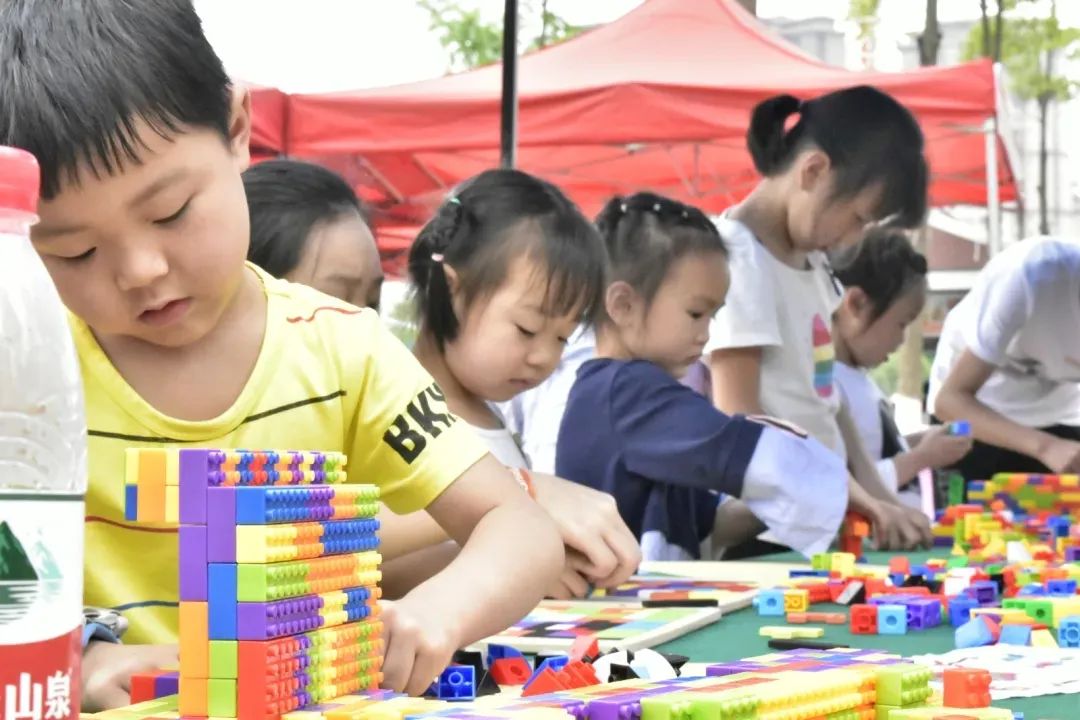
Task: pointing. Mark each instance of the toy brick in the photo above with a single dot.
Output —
(298, 541)
(221, 524)
(542, 684)
(789, 633)
(131, 503)
(1042, 637)
(221, 697)
(194, 468)
(796, 600)
(291, 504)
(798, 618)
(1069, 632)
(899, 564)
(923, 614)
(966, 688)
(151, 498)
(903, 684)
(864, 620)
(266, 621)
(960, 609)
(194, 640)
(510, 670)
(457, 682)
(264, 583)
(892, 620)
(585, 647)
(986, 591)
(817, 592)
(854, 593)
(141, 687)
(193, 572)
(194, 696)
(172, 504)
(974, 633)
(1015, 635)
(223, 659)
(167, 683)
(843, 563)
(770, 603)
(221, 591)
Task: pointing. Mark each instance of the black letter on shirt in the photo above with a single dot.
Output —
(406, 442)
(421, 412)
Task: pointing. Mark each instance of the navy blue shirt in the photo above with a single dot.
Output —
(655, 445)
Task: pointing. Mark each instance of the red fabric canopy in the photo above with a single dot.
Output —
(659, 99)
(269, 109)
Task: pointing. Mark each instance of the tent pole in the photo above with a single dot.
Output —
(993, 194)
(508, 125)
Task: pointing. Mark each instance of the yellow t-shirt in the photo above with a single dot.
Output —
(328, 377)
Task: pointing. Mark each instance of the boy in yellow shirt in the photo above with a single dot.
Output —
(144, 229)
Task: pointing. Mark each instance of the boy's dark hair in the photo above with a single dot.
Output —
(76, 76)
(884, 265)
(646, 233)
(868, 136)
(491, 219)
(286, 200)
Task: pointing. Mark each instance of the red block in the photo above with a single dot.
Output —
(585, 647)
(836, 587)
(900, 564)
(874, 587)
(577, 674)
(545, 682)
(967, 688)
(142, 686)
(864, 620)
(510, 671)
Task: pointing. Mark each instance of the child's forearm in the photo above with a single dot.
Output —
(402, 574)
(859, 462)
(908, 465)
(511, 557)
(401, 535)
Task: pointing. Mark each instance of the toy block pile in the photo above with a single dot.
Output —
(279, 574)
(1028, 494)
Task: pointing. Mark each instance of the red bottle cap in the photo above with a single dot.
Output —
(20, 180)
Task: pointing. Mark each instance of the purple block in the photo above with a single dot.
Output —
(986, 592)
(923, 613)
(193, 562)
(167, 684)
(732, 668)
(280, 618)
(1072, 554)
(194, 468)
(221, 524)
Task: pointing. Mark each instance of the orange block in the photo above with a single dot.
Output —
(194, 642)
(194, 692)
(966, 688)
(151, 503)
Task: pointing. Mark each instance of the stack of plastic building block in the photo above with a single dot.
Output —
(1029, 494)
(279, 574)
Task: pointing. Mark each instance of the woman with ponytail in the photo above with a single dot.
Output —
(830, 167)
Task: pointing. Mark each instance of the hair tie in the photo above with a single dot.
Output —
(437, 257)
(622, 208)
(656, 208)
(685, 214)
(454, 200)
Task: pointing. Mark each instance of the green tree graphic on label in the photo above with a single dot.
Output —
(15, 566)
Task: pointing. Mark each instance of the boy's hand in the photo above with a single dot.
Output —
(938, 449)
(1062, 456)
(601, 550)
(574, 582)
(107, 669)
(419, 645)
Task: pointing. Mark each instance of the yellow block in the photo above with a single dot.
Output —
(1043, 639)
(1065, 607)
(1006, 615)
(172, 467)
(172, 503)
(843, 563)
(796, 600)
(131, 466)
(784, 632)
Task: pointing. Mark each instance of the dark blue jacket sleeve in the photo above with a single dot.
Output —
(669, 433)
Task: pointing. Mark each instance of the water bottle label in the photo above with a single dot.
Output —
(41, 540)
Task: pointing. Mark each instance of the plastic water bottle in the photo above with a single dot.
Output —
(42, 470)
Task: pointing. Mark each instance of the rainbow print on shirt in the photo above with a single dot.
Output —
(824, 356)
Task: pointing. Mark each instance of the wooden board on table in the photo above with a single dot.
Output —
(554, 625)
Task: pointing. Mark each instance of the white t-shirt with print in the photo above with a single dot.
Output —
(1023, 317)
(502, 442)
(788, 314)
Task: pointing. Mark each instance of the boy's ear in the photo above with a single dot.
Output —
(240, 126)
(620, 301)
(814, 168)
(857, 303)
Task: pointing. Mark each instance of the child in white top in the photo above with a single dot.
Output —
(1009, 361)
(503, 275)
(884, 282)
(853, 157)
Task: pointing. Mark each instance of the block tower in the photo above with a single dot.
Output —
(279, 574)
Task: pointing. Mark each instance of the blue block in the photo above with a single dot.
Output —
(555, 663)
(457, 682)
(923, 613)
(897, 579)
(1059, 526)
(973, 633)
(221, 600)
(498, 652)
(1069, 632)
(960, 608)
(808, 573)
(131, 503)
(1061, 587)
(770, 603)
(1015, 635)
(1032, 590)
(960, 428)
(891, 620)
(986, 591)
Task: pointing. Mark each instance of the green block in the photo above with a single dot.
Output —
(1041, 611)
(902, 685)
(665, 707)
(994, 569)
(223, 659)
(956, 562)
(957, 489)
(221, 698)
(743, 707)
(821, 561)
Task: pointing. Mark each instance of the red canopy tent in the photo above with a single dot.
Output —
(659, 99)
(269, 109)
